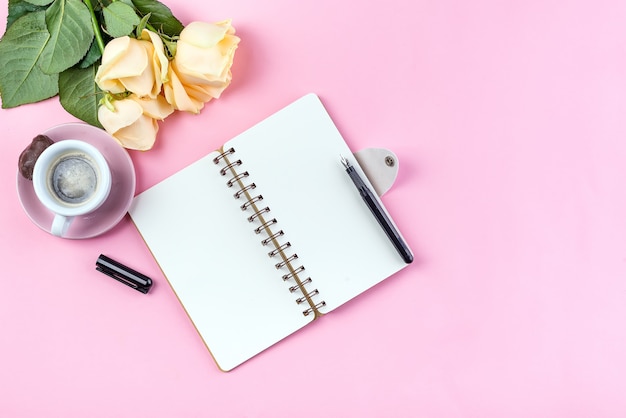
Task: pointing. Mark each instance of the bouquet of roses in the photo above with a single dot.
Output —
(121, 65)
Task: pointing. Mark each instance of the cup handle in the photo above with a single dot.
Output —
(60, 225)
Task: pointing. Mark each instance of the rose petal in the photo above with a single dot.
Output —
(176, 94)
(160, 61)
(113, 52)
(141, 135)
(157, 108)
(126, 113)
(210, 61)
(203, 34)
(123, 57)
(142, 83)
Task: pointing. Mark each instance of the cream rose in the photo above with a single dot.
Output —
(133, 121)
(201, 68)
(135, 65)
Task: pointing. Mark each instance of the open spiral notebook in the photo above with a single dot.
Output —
(265, 235)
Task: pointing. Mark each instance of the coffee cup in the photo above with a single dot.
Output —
(71, 178)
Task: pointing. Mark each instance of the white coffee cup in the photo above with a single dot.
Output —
(71, 178)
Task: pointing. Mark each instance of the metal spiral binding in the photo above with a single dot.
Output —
(251, 201)
(245, 189)
(235, 179)
(293, 273)
(264, 225)
(258, 213)
(273, 237)
(229, 151)
(279, 249)
(304, 282)
(224, 170)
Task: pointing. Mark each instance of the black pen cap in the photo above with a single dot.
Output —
(123, 274)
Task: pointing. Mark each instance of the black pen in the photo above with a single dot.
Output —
(378, 212)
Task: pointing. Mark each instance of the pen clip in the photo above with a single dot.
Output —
(123, 274)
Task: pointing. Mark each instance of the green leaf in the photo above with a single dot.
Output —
(92, 56)
(71, 33)
(21, 78)
(120, 19)
(18, 8)
(142, 25)
(79, 94)
(128, 2)
(40, 2)
(162, 18)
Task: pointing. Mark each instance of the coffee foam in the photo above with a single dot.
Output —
(73, 179)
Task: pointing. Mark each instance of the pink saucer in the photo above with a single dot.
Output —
(122, 187)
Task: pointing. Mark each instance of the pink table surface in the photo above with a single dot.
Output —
(509, 122)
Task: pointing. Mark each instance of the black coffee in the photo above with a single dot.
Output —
(74, 178)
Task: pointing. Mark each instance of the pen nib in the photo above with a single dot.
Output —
(345, 162)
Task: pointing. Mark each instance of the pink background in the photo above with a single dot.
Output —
(508, 119)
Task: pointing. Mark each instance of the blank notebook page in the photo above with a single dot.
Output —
(295, 160)
(209, 254)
